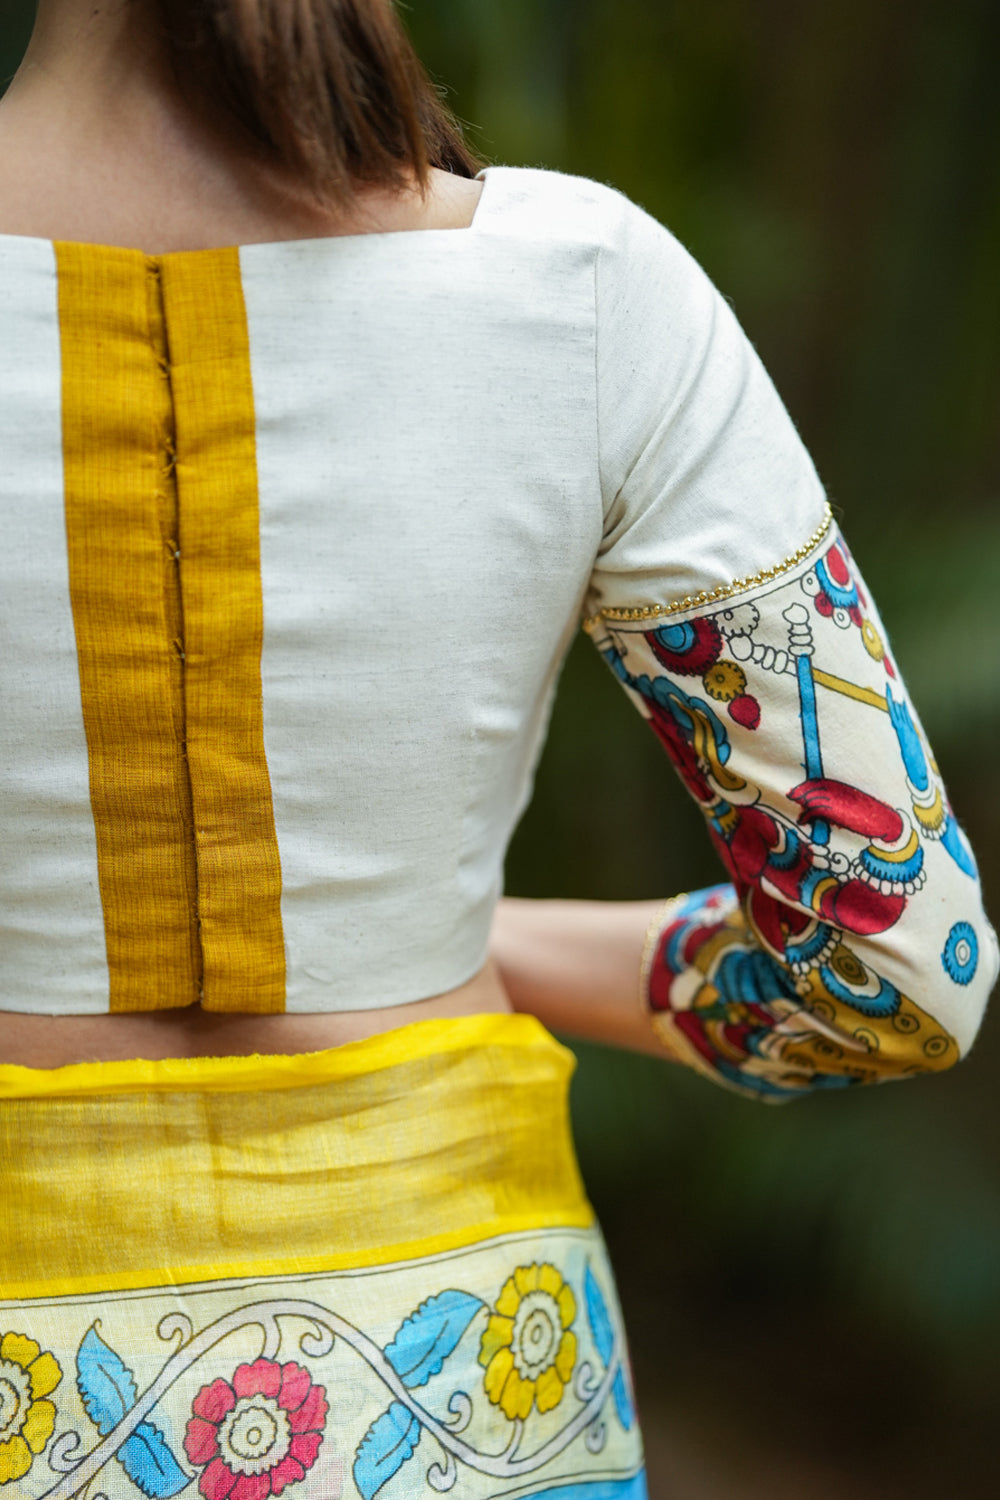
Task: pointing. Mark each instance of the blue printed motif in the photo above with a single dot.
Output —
(604, 1338)
(425, 1340)
(386, 1446)
(256, 1429)
(109, 1394)
(961, 953)
(609, 1489)
(418, 1351)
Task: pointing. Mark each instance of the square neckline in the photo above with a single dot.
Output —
(93, 246)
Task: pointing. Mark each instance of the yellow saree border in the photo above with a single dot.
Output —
(429, 1138)
(155, 1278)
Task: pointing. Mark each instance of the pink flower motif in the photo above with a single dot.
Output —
(257, 1434)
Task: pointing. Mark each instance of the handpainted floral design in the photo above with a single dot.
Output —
(27, 1376)
(258, 1430)
(257, 1434)
(528, 1348)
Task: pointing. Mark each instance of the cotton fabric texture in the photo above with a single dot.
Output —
(370, 1270)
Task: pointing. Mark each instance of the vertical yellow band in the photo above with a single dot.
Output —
(120, 527)
(239, 872)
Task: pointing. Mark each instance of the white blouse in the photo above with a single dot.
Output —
(297, 536)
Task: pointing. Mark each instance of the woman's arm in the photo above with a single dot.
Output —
(577, 966)
(849, 944)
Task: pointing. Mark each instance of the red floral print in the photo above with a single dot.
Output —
(257, 1434)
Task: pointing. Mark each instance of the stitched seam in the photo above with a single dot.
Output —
(168, 495)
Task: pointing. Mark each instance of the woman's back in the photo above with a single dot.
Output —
(306, 529)
(98, 147)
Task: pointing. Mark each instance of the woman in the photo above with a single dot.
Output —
(297, 535)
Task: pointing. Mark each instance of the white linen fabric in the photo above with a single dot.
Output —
(52, 950)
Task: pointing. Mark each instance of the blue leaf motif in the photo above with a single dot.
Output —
(597, 1317)
(623, 1405)
(106, 1385)
(604, 1340)
(149, 1463)
(385, 1447)
(109, 1393)
(429, 1335)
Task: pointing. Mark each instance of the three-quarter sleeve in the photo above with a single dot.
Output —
(851, 944)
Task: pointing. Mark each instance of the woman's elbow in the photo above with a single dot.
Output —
(777, 1003)
(908, 1003)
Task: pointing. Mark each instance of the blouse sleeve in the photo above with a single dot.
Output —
(851, 945)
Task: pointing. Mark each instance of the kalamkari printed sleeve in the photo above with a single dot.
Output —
(850, 945)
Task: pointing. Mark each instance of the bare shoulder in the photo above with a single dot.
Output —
(454, 199)
(450, 202)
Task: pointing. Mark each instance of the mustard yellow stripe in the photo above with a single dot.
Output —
(850, 689)
(239, 872)
(461, 1134)
(124, 593)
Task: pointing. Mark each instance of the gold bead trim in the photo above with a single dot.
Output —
(723, 591)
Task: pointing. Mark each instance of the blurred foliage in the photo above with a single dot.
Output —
(826, 1277)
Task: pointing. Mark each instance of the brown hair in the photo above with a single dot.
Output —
(333, 88)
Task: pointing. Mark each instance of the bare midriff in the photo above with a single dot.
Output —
(35, 1041)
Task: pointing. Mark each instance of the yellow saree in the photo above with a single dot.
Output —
(365, 1271)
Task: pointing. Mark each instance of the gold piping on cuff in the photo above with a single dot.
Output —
(723, 591)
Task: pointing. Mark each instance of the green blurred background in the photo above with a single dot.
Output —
(812, 1293)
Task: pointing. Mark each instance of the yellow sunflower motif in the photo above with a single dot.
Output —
(528, 1349)
(26, 1419)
